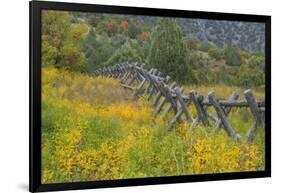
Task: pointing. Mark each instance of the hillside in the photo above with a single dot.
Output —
(244, 35)
(248, 36)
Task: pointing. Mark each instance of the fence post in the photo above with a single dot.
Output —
(228, 128)
(154, 85)
(164, 100)
(178, 113)
(255, 111)
(202, 115)
(151, 72)
(183, 105)
(139, 88)
(234, 97)
(127, 74)
(134, 74)
(174, 120)
(158, 95)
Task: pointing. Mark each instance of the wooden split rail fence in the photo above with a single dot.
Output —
(162, 90)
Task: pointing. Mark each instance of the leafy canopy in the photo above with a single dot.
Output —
(61, 41)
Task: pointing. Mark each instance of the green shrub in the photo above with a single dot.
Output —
(232, 56)
(216, 53)
(204, 46)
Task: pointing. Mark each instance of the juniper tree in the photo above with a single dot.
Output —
(169, 52)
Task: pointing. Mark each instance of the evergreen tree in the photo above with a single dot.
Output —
(98, 49)
(169, 52)
(127, 53)
(232, 57)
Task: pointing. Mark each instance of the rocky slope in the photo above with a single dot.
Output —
(248, 36)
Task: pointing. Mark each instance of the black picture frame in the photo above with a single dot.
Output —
(35, 9)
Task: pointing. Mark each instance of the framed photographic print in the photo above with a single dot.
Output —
(125, 96)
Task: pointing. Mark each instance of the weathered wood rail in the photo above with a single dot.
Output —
(162, 90)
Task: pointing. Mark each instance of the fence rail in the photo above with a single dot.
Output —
(162, 90)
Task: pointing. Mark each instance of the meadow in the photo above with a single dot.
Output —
(93, 129)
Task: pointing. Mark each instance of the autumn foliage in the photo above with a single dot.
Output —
(144, 36)
(125, 25)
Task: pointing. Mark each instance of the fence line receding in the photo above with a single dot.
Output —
(163, 91)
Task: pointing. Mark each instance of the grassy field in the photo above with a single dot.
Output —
(92, 129)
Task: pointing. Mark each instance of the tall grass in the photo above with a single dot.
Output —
(94, 130)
